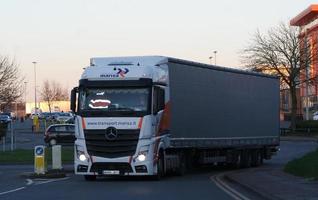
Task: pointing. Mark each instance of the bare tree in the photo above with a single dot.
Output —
(10, 81)
(53, 91)
(282, 51)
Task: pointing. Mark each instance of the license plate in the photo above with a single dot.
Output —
(111, 172)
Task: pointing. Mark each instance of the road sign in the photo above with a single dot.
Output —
(39, 159)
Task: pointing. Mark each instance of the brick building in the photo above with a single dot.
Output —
(307, 21)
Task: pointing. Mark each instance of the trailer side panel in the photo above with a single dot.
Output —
(209, 103)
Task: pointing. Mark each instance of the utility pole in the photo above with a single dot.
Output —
(35, 107)
(214, 57)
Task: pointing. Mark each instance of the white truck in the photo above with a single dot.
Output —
(151, 115)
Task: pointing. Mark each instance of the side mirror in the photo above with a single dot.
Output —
(73, 99)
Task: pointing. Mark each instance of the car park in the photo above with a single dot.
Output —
(62, 117)
(48, 115)
(5, 119)
(60, 134)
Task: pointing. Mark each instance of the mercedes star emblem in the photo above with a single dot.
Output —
(111, 133)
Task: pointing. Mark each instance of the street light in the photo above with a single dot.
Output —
(214, 57)
(210, 60)
(25, 98)
(25, 91)
(34, 63)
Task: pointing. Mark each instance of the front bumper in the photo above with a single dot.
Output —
(117, 166)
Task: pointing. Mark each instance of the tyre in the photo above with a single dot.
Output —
(182, 166)
(90, 177)
(256, 158)
(160, 167)
(52, 142)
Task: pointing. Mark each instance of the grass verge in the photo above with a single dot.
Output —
(305, 167)
(26, 156)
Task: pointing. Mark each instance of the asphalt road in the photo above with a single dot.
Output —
(194, 185)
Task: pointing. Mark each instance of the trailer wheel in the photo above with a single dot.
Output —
(90, 177)
(182, 165)
(256, 158)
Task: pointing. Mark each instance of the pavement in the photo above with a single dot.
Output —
(271, 182)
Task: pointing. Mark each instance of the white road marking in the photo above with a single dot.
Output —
(10, 191)
(50, 181)
(29, 181)
(226, 188)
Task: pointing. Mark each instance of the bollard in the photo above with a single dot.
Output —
(56, 157)
(39, 159)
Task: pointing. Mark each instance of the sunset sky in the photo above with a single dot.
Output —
(62, 35)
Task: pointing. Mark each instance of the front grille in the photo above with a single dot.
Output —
(121, 167)
(124, 145)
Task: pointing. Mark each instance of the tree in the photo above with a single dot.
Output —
(282, 51)
(53, 91)
(10, 81)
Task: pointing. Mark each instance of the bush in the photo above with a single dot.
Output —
(307, 124)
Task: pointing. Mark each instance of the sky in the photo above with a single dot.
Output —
(62, 35)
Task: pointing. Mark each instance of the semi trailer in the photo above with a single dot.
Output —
(153, 115)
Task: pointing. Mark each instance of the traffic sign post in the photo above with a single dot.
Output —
(39, 159)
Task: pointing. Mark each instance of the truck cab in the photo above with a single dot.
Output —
(119, 105)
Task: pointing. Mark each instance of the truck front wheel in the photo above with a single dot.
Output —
(160, 167)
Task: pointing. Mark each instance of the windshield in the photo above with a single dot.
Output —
(115, 99)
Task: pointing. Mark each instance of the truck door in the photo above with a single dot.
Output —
(158, 104)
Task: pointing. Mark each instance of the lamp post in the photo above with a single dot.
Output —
(25, 91)
(214, 57)
(25, 97)
(34, 63)
(210, 58)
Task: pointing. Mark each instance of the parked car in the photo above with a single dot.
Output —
(315, 116)
(48, 115)
(60, 134)
(5, 119)
(62, 117)
(70, 121)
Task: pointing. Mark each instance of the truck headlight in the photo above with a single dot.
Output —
(141, 157)
(81, 154)
(142, 154)
(82, 157)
